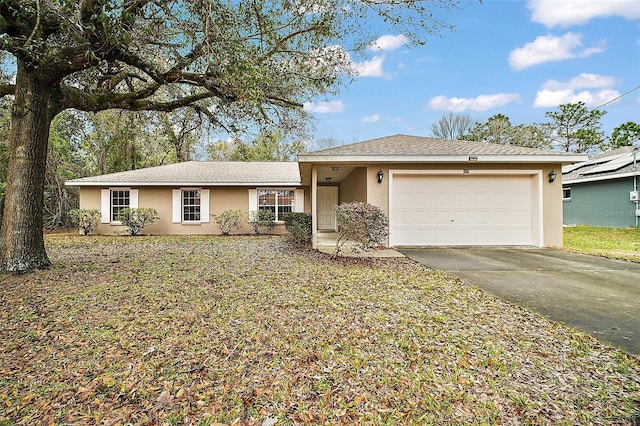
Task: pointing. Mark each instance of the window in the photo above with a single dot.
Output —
(191, 205)
(114, 200)
(120, 200)
(279, 201)
(566, 193)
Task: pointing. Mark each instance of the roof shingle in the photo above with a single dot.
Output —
(203, 173)
(405, 145)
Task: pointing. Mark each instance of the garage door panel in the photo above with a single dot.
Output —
(461, 210)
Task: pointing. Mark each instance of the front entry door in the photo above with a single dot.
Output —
(327, 201)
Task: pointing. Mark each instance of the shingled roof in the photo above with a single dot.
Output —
(211, 173)
(411, 148)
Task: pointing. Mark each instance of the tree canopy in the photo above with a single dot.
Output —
(498, 129)
(626, 134)
(245, 65)
(575, 128)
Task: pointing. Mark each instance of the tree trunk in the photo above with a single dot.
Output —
(22, 247)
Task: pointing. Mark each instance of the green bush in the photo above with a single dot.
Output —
(228, 221)
(298, 226)
(137, 219)
(364, 224)
(263, 221)
(86, 220)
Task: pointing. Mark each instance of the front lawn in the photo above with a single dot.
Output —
(243, 330)
(615, 243)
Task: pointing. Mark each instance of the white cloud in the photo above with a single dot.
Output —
(371, 118)
(563, 13)
(549, 49)
(554, 93)
(582, 81)
(389, 42)
(480, 103)
(552, 98)
(324, 107)
(372, 68)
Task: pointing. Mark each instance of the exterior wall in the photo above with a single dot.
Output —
(602, 203)
(354, 186)
(551, 197)
(160, 198)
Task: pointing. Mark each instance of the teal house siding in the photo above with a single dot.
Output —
(600, 203)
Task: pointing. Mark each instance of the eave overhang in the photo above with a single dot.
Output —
(181, 184)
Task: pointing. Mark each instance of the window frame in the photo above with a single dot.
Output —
(112, 216)
(566, 189)
(177, 205)
(276, 204)
(183, 191)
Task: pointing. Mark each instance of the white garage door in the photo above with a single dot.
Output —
(461, 210)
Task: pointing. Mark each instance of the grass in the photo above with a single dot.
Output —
(243, 330)
(614, 243)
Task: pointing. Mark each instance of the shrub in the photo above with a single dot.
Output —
(361, 223)
(263, 221)
(228, 221)
(298, 226)
(85, 219)
(136, 219)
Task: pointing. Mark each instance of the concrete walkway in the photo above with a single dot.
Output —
(593, 294)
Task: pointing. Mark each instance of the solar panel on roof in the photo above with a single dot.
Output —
(614, 164)
(571, 167)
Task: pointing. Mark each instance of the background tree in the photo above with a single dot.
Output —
(183, 130)
(123, 140)
(268, 146)
(63, 163)
(626, 134)
(498, 129)
(574, 128)
(245, 65)
(321, 144)
(452, 126)
(532, 136)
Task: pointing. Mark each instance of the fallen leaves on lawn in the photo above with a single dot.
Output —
(246, 330)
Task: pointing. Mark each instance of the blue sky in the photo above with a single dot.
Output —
(517, 58)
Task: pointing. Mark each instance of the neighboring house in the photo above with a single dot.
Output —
(603, 191)
(187, 194)
(443, 192)
(434, 191)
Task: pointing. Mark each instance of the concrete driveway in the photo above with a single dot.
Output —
(593, 294)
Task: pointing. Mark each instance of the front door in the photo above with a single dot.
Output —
(327, 201)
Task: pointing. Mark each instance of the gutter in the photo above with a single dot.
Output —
(181, 184)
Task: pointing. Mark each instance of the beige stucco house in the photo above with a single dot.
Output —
(185, 195)
(443, 192)
(434, 191)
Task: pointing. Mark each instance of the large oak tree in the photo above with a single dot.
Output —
(241, 63)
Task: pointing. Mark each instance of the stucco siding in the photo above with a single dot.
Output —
(354, 186)
(549, 203)
(160, 198)
(603, 203)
